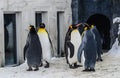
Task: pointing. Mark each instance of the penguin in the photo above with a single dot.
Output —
(98, 40)
(88, 45)
(46, 43)
(72, 43)
(67, 39)
(33, 50)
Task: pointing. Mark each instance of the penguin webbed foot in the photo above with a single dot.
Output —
(92, 69)
(99, 59)
(86, 70)
(36, 68)
(47, 65)
(76, 66)
(89, 70)
(41, 64)
(29, 69)
(71, 67)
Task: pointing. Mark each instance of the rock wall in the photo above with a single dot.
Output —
(84, 9)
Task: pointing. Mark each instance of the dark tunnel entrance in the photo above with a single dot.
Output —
(103, 25)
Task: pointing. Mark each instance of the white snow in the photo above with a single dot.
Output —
(116, 20)
(115, 51)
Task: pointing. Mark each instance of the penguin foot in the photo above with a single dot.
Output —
(71, 67)
(76, 66)
(47, 65)
(29, 69)
(36, 69)
(92, 69)
(86, 70)
(99, 59)
(41, 65)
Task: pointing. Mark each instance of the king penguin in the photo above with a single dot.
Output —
(33, 50)
(98, 41)
(46, 44)
(88, 45)
(72, 43)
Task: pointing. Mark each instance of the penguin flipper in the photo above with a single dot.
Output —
(66, 51)
(80, 50)
(79, 54)
(24, 51)
(71, 46)
(26, 46)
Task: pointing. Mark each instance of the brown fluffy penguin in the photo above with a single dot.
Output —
(89, 47)
(98, 42)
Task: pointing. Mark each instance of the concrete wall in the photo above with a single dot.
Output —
(25, 15)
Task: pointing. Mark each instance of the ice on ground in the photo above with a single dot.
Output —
(115, 50)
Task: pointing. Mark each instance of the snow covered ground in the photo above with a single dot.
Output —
(109, 68)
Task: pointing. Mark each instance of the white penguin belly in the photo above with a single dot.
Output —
(46, 46)
(76, 41)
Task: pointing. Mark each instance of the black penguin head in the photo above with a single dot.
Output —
(91, 26)
(86, 27)
(32, 28)
(42, 25)
(74, 26)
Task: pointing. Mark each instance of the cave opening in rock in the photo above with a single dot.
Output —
(102, 23)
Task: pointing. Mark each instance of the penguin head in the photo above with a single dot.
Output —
(42, 25)
(70, 27)
(32, 28)
(74, 26)
(86, 27)
(91, 26)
